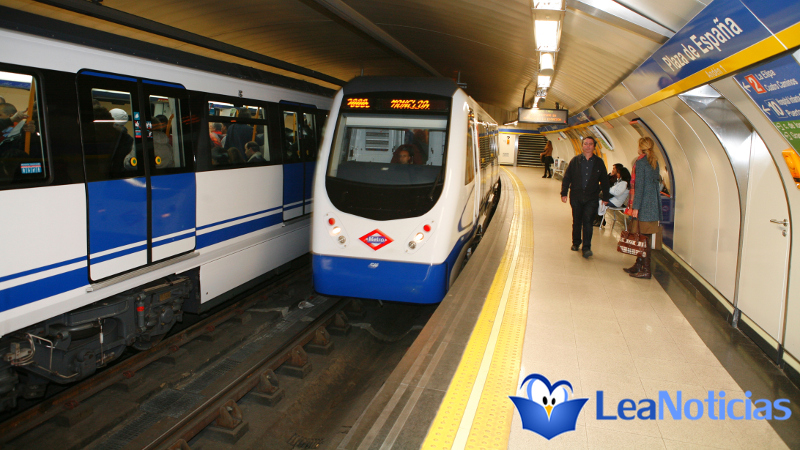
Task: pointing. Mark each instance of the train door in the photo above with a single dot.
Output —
(139, 182)
(172, 188)
(300, 154)
(765, 244)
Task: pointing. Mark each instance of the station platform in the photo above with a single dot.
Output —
(528, 305)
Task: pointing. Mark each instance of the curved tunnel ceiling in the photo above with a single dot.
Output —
(489, 42)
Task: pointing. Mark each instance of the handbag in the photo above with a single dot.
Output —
(631, 243)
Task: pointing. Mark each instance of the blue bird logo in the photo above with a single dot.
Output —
(548, 411)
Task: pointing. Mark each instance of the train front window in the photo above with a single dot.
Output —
(388, 149)
(22, 155)
(387, 166)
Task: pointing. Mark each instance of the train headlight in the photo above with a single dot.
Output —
(412, 245)
(419, 237)
(336, 230)
(342, 239)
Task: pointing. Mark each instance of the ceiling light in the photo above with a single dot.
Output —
(555, 5)
(546, 33)
(543, 81)
(546, 64)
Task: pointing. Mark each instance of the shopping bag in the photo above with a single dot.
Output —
(601, 210)
(631, 243)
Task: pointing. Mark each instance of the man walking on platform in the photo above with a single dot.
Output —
(584, 178)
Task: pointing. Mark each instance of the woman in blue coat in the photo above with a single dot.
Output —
(645, 202)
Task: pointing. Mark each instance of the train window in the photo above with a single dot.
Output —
(238, 135)
(370, 148)
(308, 138)
(291, 146)
(164, 132)
(111, 150)
(22, 155)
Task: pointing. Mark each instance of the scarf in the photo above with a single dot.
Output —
(629, 209)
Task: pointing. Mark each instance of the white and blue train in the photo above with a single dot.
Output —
(406, 173)
(133, 191)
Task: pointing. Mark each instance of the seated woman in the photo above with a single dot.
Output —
(620, 189)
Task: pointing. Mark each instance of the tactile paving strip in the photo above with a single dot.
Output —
(489, 422)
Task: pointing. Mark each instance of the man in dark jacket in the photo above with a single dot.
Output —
(585, 178)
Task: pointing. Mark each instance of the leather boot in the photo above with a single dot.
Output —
(636, 267)
(644, 270)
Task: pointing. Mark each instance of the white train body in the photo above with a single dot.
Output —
(204, 226)
(391, 231)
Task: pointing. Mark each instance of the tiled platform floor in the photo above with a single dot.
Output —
(593, 325)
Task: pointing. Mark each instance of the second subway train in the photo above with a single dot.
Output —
(406, 173)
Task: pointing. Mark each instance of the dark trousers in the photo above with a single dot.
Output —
(583, 214)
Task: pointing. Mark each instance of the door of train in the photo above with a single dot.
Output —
(140, 183)
(300, 147)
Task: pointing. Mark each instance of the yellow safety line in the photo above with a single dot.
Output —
(476, 410)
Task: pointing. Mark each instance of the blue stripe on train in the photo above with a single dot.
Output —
(180, 237)
(237, 218)
(217, 236)
(118, 254)
(42, 269)
(47, 287)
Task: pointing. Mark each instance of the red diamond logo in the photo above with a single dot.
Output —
(375, 239)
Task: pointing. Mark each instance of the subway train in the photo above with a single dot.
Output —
(134, 191)
(405, 177)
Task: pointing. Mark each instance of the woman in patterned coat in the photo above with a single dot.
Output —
(645, 202)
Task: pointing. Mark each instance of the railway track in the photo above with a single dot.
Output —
(202, 383)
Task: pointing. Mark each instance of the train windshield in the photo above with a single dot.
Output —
(373, 149)
(387, 166)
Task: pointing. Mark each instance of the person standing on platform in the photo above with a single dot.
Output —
(547, 159)
(585, 178)
(644, 203)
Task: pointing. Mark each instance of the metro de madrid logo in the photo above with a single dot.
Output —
(548, 411)
(376, 239)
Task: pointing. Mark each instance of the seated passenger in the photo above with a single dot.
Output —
(235, 156)
(253, 153)
(620, 189)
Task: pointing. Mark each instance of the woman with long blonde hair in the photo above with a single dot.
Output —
(644, 202)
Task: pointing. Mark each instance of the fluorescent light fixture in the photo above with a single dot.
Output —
(554, 5)
(546, 64)
(543, 81)
(546, 33)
